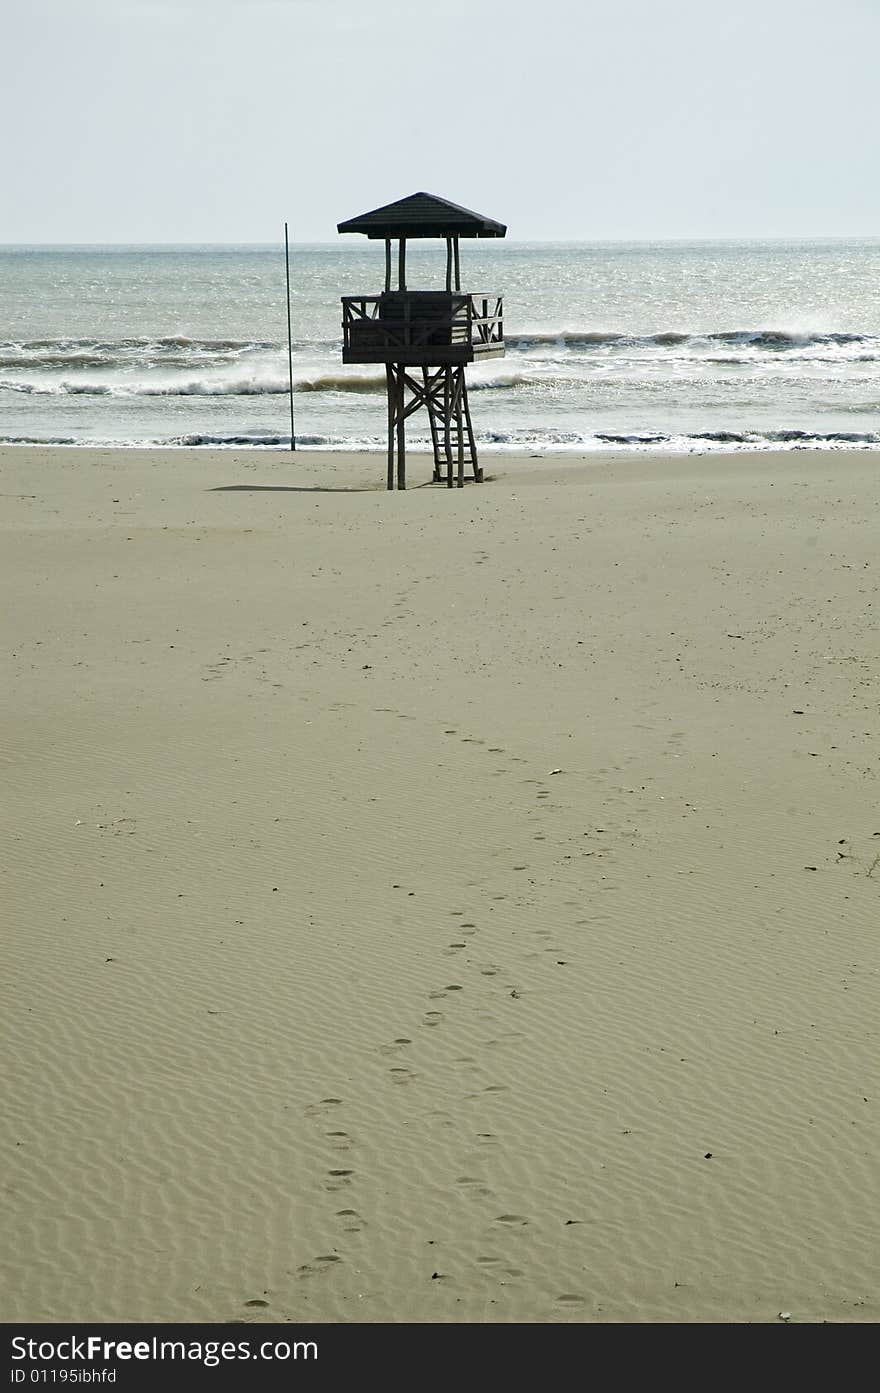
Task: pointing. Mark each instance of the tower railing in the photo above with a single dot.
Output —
(424, 326)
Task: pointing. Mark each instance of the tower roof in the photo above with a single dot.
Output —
(423, 215)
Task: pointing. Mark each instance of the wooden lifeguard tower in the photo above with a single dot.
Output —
(432, 332)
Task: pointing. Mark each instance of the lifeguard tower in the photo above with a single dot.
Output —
(425, 337)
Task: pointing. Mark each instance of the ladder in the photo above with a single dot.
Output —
(452, 434)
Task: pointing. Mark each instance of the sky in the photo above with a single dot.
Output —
(217, 120)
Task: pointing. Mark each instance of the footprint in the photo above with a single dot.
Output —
(492, 1088)
(338, 1179)
(341, 1140)
(352, 1221)
(474, 1186)
(319, 1109)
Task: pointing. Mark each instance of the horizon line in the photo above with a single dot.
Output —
(509, 241)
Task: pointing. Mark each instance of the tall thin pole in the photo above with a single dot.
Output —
(289, 339)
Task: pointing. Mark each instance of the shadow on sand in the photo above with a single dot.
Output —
(318, 488)
(285, 488)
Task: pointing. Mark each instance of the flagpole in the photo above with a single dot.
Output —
(289, 339)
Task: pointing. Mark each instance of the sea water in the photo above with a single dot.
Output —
(682, 346)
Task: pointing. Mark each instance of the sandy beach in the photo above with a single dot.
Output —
(442, 905)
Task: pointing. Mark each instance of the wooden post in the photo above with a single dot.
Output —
(459, 426)
(448, 263)
(389, 388)
(457, 268)
(447, 409)
(387, 263)
(401, 265)
(401, 430)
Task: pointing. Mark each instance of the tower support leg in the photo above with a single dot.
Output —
(395, 381)
(443, 393)
(447, 423)
(390, 388)
(401, 432)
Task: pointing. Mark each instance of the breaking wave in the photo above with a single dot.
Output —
(40, 440)
(687, 442)
(548, 442)
(340, 382)
(772, 339)
(36, 351)
(247, 387)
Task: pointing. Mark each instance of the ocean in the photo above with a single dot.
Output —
(667, 346)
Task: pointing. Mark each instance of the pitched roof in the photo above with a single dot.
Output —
(423, 215)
